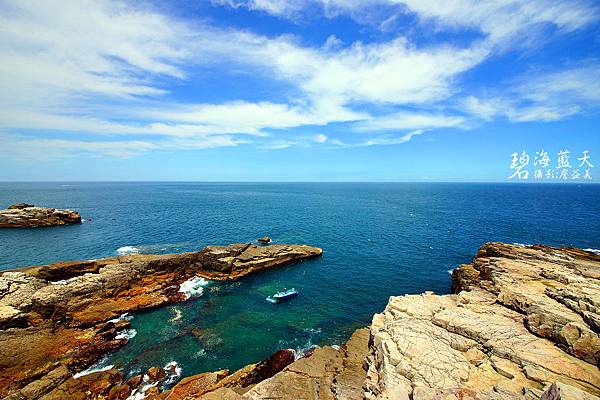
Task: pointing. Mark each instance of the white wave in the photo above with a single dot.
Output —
(64, 281)
(140, 392)
(123, 251)
(451, 270)
(126, 334)
(595, 251)
(335, 346)
(522, 245)
(193, 287)
(301, 350)
(122, 317)
(173, 371)
(92, 369)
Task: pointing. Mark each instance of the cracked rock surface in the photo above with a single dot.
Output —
(524, 319)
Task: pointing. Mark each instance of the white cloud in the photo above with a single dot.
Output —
(385, 140)
(59, 68)
(392, 72)
(100, 67)
(52, 50)
(504, 19)
(500, 20)
(409, 120)
(39, 149)
(542, 96)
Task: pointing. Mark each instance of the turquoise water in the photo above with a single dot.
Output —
(379, 240)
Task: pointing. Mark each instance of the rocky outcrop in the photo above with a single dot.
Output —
(323, 373)
(523, 319)
(24, 215)
(58, 319)
(326, 373)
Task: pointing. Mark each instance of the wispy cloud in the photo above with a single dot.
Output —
(499, 21)
(384, 140)
(102, 74)
(542, 96)
(409, 120)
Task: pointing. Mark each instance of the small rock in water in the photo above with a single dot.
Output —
(20, 206)
(264, 240)
(134, 381)
(156, 374)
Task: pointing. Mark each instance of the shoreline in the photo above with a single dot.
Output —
(521, 322)
(57, 330)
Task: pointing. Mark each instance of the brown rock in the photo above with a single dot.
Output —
(58, 313)
(96, 385)
(27, 216)
(19, 206)
(135, 381)
(520, 323)
(264, 240)
(326, 374)
(119, 392)
(156, 374)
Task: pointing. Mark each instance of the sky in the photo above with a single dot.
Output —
(299, 90)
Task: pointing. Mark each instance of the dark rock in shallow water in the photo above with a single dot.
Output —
(24, 215)
(264, 240)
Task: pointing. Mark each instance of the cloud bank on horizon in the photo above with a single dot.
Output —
(122, 79)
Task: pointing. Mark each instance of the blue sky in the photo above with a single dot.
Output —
(302, 90)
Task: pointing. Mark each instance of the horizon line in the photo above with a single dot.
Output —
(522, 182)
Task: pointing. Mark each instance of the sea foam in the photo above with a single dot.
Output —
(123, 251)
(595, 251)
(94, 368)
(126, 334)
(173, 371)
(193, 287)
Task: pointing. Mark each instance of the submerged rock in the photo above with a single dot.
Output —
(264, 240)
(24, 215)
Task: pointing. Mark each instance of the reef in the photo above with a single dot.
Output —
(24, 215)
(58, 319)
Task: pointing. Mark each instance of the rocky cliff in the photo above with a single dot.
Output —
(523, 319)
(58, 319)
(28, 216)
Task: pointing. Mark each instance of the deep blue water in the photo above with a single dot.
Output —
(379, 240)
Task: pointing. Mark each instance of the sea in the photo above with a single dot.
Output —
(379, 240)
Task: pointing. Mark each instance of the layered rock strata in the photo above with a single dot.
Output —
(58, 319)
(523, 319)
(28, 216)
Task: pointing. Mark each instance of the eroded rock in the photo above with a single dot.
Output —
(70, 313)
(24, 215)
(522, 320)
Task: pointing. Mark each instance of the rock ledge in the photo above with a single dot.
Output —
(24, 215)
